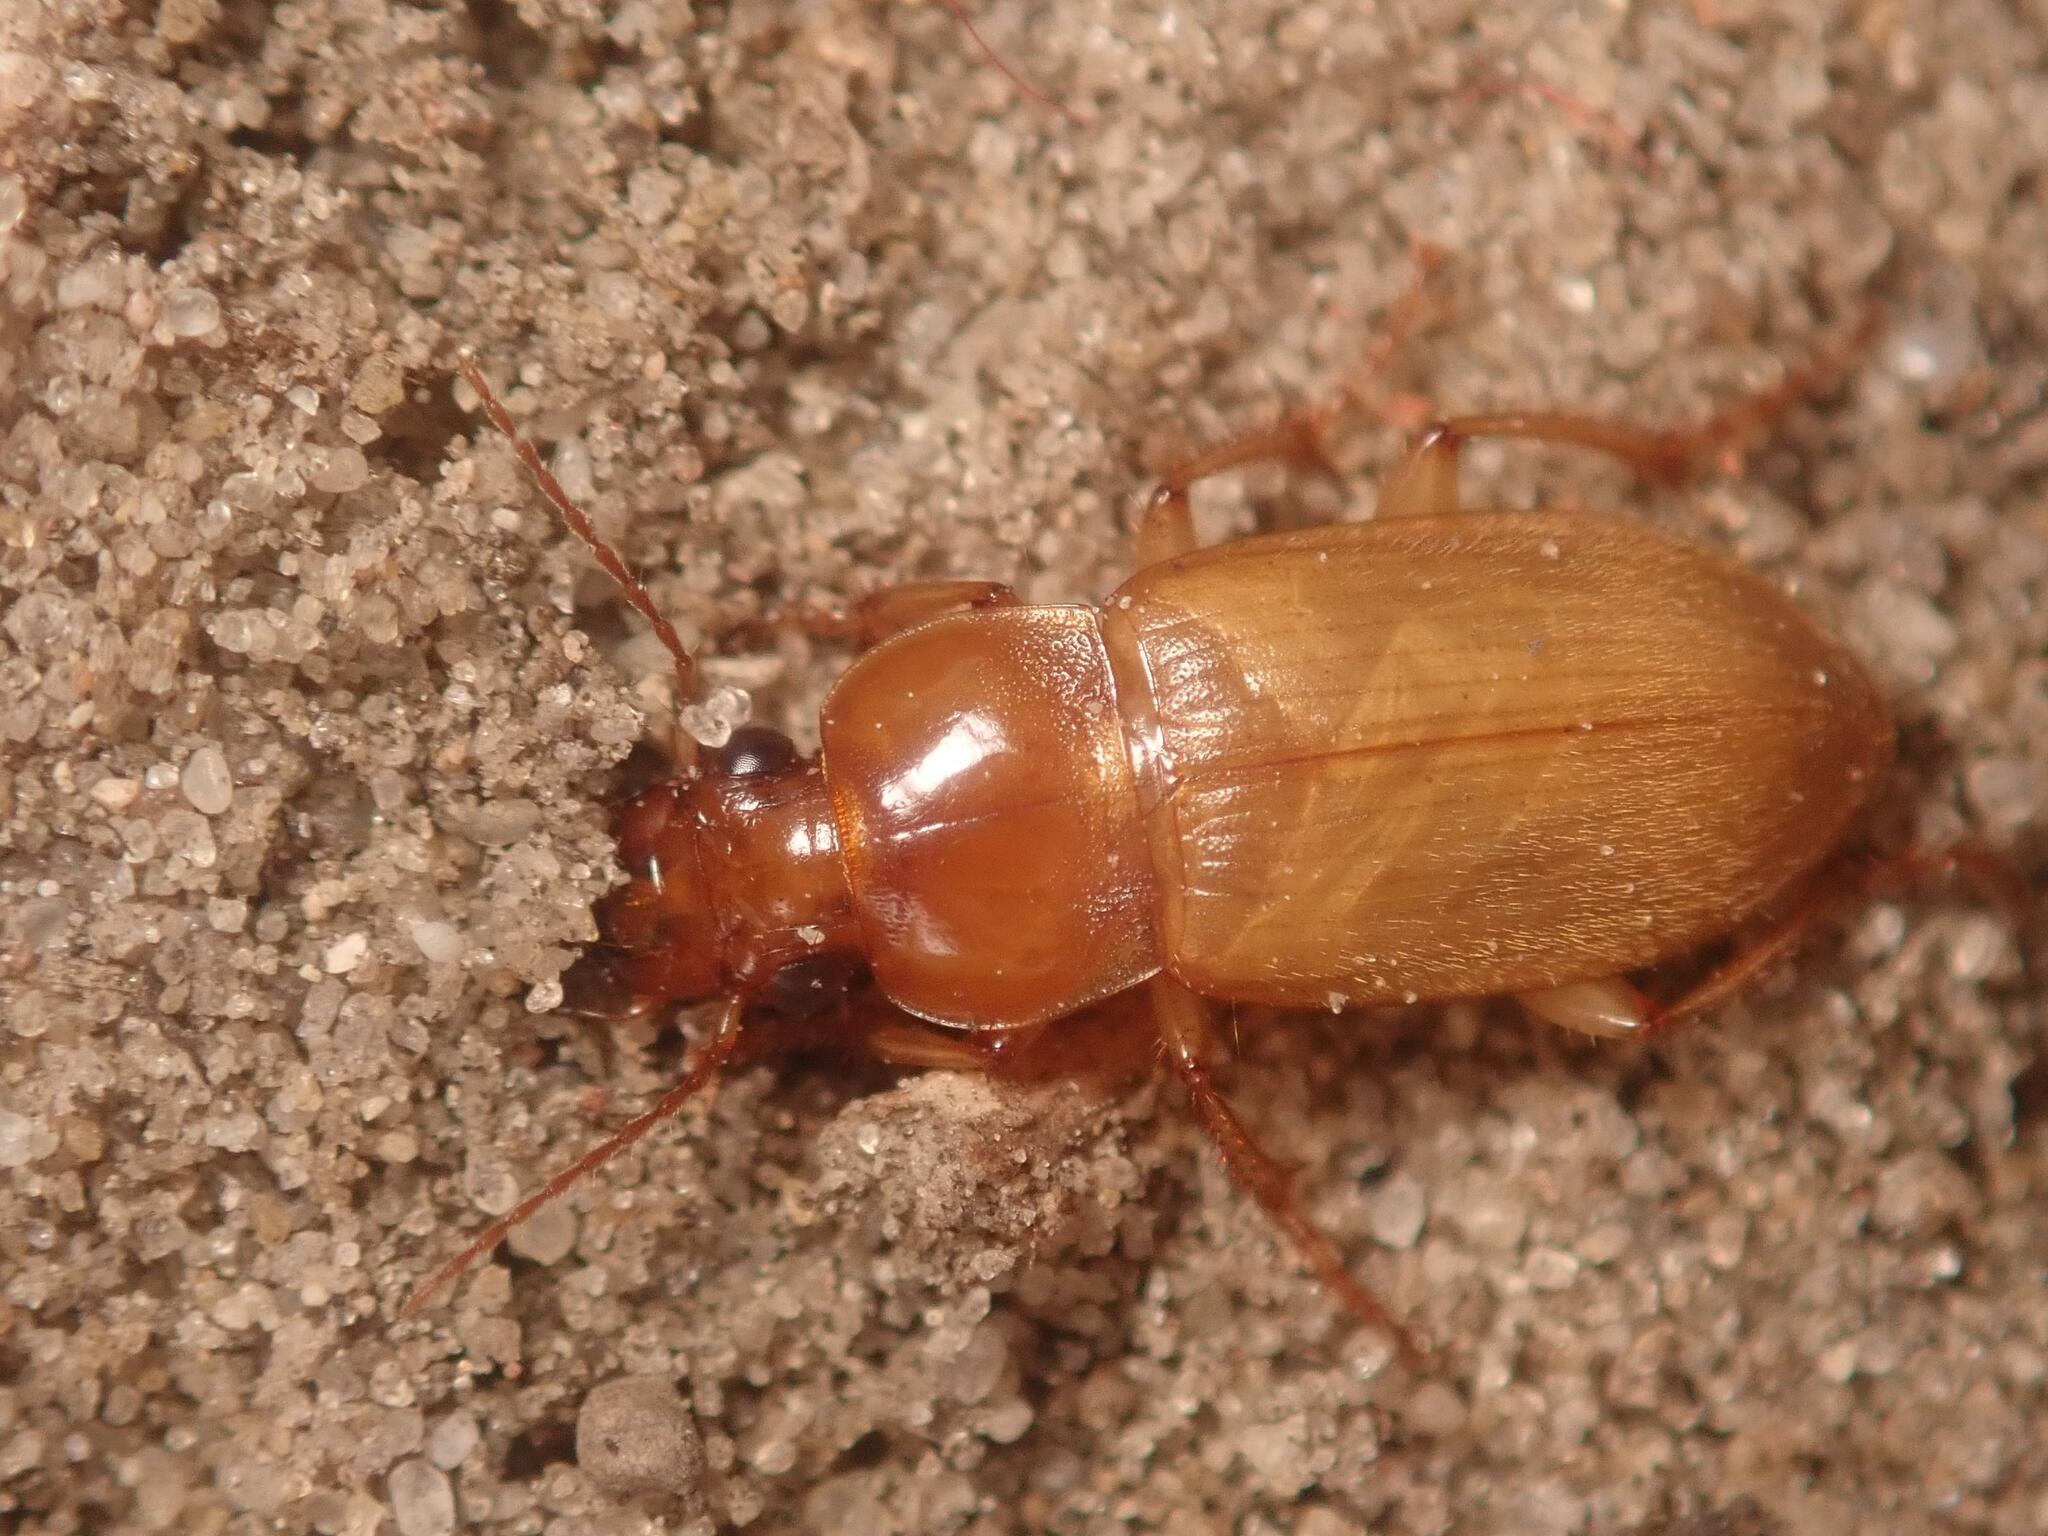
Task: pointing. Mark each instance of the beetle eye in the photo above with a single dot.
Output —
(753, 750)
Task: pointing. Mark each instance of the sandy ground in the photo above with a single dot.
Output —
(309, 717)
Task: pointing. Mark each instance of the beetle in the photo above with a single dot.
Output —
(1437, 754)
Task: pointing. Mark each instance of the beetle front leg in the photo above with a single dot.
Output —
(892, 610)
(1106, 1045)
(1183, 1022)
(902, 1041)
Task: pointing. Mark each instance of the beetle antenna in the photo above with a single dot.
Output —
(579, 524)
(717, 1052)
(1024, 87)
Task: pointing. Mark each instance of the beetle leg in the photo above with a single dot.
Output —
(894, 609)
(902, 1041)
(1425, 481)
(1183, 1022)
(1167, 526)
(1615, 1009)
(882, 613)
(1993, 876)
(1610, 1008)
(1105, 1045)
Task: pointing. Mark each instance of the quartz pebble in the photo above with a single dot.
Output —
(191, 312)
(546, 1236)
(1398, 1209)
(206, 781)
(438, 941)
(450, 1441)
(17, 1139)
(422, 1499)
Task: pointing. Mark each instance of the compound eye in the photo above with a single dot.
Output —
(753, 750)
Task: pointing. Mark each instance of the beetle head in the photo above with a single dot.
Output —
(736, 883)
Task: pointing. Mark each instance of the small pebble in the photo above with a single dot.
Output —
(451, 1440)
(422, 1500)
(440, 942)
(1398, 1209)
(340, 470)
(227, 914)
(207, 784)
(712, 722)
(117, 794)
(1550, 1269)
(345, 954)
(491, 1186)
(17, 1139)
(546, 1236)
(1434, 1409)
(635, 1436)
(191, 312)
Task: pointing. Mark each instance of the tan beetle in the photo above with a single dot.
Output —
(1434, 755)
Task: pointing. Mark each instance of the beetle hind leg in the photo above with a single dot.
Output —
(1615, 1009)
(1183, 1022)
(1611, 1008)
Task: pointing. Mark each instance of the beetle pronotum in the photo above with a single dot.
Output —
(1434, 755)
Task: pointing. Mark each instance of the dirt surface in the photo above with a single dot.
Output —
(309, 718)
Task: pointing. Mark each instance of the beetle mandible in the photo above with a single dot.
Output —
(1439, 754)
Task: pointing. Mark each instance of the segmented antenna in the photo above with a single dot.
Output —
(718, 1051)
(580, 525)
(1024, 87)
